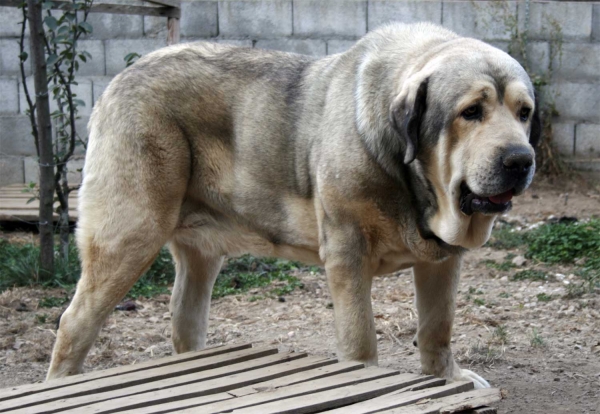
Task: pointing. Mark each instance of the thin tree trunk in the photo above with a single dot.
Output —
(46, 159)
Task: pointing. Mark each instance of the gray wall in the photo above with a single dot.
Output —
(318, 28)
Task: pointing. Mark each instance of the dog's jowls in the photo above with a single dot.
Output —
(398, 153)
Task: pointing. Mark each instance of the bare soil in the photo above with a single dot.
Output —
(545, 355)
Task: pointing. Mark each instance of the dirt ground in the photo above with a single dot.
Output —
(545, 355)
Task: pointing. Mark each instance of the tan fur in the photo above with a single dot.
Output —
(222, 151)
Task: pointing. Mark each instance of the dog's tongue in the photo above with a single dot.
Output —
(502, 198)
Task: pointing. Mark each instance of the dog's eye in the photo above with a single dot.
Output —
(472, 112)
(524, 114)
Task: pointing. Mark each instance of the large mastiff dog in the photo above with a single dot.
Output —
(397, 153)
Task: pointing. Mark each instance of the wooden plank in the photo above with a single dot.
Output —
(263, 387)
(331, 399)
(23, 390)
(169, 3)
(16, 203)
(199, 389)
(454, 403)
(111, 8)
(481, 410)
(173, 29)
(300, 377)
(29, 215)
(135, 378)
(305, 389)
(400, 399)
(211, 374)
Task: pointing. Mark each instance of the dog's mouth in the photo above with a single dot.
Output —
(496, 204)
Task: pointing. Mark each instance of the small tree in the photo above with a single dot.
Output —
(56, 57)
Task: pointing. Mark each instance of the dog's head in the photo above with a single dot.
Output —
(469, 118)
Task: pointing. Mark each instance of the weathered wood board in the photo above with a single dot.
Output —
(245, 379)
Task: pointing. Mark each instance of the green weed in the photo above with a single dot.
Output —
(504, 266)
(500, 335)
(536, 339)
(542, 297)
(53, 301)
(530, 274)
(479, 302)
(506, 237)
(504, 295)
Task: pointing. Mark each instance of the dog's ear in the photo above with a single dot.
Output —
(535, 133)
(406, 114)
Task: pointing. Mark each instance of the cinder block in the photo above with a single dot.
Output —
(503, 45)
(563, 138)
(574, 19)
(11, 170)
(482, 20)
(580, 61)
(381, 12)
(99, 84)
(199, 19)
(235, 42)
(9, 95)
(263, 19)
(111, 26)
(15, 136)
(330, 18)
(83, 90)
(339, 46)
(596, 23)
(31, 170)
(96, 65)
(302, 46)
(577, 101)
(117, 49)
(74, 169)
(538, 56)
(10, 19)
(9, 57)
(587, 141)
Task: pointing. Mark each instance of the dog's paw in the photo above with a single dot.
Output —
(468, 375)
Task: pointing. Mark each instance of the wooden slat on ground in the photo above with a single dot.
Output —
(14, 204)
(242, 379)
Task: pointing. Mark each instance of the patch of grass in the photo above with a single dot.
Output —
(504, 266)
(506, 237)
(500, 335)
(41, 319)
(565, 242)
(19, 267)
(536, 339)
(504, 295)
(481, 353)
(542, 297)
(53, 301)
(247, 272)
(473, 291)
(479, 302)
(530, 274)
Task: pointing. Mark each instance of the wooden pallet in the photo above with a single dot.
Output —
(246, 379)
(14, 205)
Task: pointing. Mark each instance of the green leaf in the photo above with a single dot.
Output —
(82, 57)
(78, 102)
(31, 200)
(23, 56)
(51, 22)
(51, 60)
(86, 27)
(47, 5)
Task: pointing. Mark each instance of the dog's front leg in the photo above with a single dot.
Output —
(436, 286)
(349, 279)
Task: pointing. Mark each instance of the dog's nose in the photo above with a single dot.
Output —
(517, 160)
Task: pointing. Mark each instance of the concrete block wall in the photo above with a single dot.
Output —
(319, 28)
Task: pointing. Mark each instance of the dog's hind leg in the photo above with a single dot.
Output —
(129, 206)
(190, 302)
